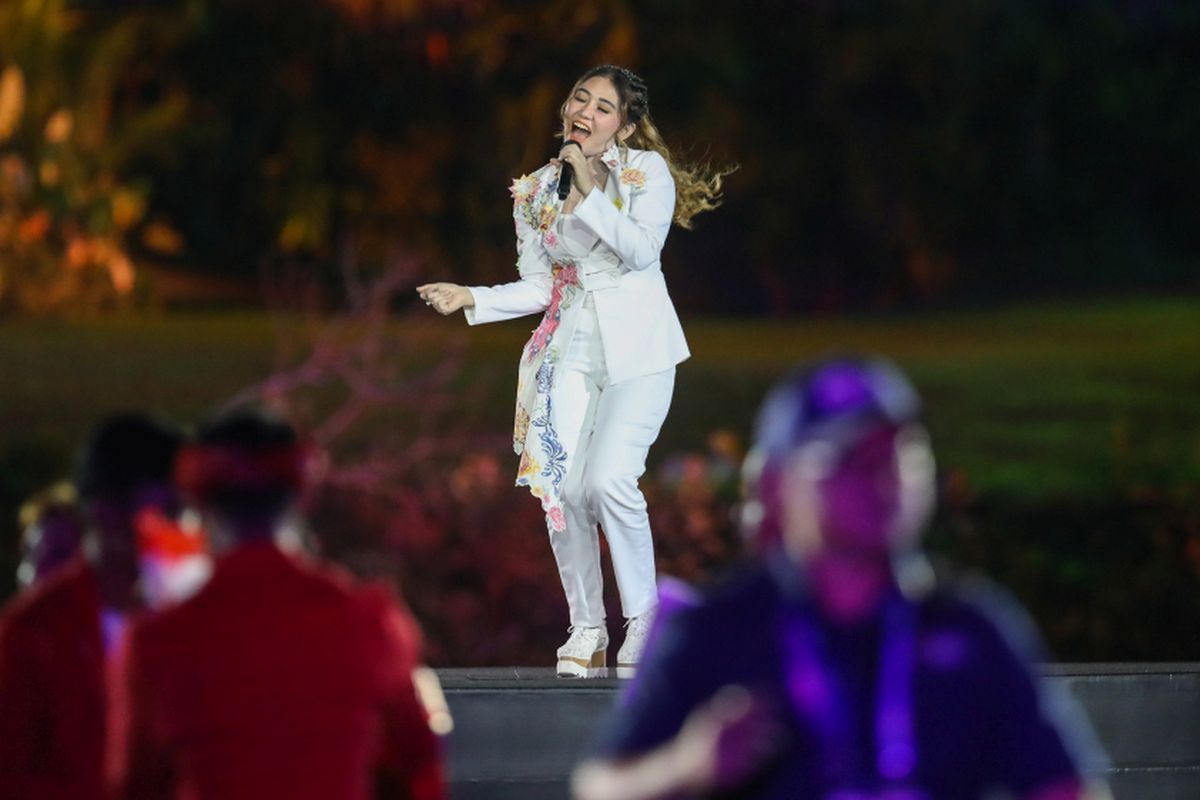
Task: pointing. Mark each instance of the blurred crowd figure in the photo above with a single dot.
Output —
(190, 654)
(51, 532)
(174, 639)
(59, 639)
(837, 664)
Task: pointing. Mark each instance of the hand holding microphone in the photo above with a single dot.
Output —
(574, 169)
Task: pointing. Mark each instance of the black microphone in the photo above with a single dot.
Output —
(566, 174)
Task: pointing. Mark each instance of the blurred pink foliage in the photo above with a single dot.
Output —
(409, 495)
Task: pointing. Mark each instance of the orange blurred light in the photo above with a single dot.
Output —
(12, 100)
(34, 227)
(437, 49)
(79, 252)
(120, 271)
(59, 126)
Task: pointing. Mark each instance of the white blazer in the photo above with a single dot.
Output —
(630, 218)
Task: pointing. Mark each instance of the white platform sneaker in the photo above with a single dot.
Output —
(583, 655)
(630, 654)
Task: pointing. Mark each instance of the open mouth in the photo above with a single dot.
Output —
(579, 131)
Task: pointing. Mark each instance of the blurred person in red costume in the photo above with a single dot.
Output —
(59, 640)
(280, 677)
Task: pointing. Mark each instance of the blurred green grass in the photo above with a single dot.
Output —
(1031, 402)
(1068, 434)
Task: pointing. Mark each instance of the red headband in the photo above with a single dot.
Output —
(201, 471)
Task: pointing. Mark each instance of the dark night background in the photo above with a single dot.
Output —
(1000, 195)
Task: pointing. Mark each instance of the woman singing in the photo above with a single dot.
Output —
(595, 379)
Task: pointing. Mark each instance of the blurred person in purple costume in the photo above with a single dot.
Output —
(281, 677)
(838, 666)
(51, 533)
(60, 639)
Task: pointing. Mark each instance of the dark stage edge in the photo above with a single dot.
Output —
(519, 730)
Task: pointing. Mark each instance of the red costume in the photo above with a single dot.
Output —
(52, 690)
(278, 679)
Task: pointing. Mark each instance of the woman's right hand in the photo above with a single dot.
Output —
(446, 298)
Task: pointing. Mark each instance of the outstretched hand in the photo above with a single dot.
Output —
(446, 298)
(723, 743)
(729, 739)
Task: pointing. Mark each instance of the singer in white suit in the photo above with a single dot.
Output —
(596, 377)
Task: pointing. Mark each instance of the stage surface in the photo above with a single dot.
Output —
(518, 730)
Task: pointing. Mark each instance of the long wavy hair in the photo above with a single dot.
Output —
(697, 186)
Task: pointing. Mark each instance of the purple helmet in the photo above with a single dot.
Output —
(836, 400)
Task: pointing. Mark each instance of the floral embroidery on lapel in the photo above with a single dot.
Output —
(545, 216)
(534, 203)
(633, 177)
(524, 188)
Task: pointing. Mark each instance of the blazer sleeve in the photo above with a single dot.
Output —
(528, 295)
(637, 237)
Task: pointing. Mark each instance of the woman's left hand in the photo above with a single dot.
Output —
(573, 155)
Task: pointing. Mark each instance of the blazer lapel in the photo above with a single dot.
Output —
(616, 190)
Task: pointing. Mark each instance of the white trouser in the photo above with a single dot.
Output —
(607, 431)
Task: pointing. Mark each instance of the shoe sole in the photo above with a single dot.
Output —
(570, 670)
(626, 670)
(582, 668)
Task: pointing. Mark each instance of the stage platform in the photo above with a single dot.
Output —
(518, 730)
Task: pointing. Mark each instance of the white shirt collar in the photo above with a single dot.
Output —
(611, 157)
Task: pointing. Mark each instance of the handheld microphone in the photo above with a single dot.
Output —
(566, 174)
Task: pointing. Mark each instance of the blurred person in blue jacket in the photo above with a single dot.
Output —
(837, 665)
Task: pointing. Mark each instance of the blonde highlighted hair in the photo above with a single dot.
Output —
(697, 186)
